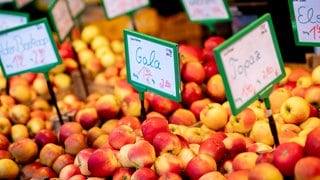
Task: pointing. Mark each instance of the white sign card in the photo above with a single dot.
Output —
(114, 8)
(249, 62)
(28, 47)
(10, 19)
(153, 63)
(21, 3)
(76, 7)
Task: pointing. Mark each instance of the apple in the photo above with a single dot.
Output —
(131, 105)
(144, 173)
(259, 109)
(109, 125)
(23, 151)
(213, 147)
(9, 169)
(170, 175)
(191, 91)
(122, 88)
(243, 121)
(102, 162)
(190, 53)
(142, 154)
(4, 142)
(18, 132)
(295, 110)
(312, 144)
(286, 155)
(68, 171)
(182, 116)
(71, 65)
(152, 126)
(186, 154)
(298, 72)
(214, 116)
(5, 126)
(89, 32)
(44, 172)
(304, 81)
(315, 74)
(261, 132)
(21, 93)
(244, 161)
(259, 147)
(121, 135)
(67, 129)
(35, 125)
(265, 171)
(314, 112)
(19, 113)
(131, 121)
(98, 41)
(311, 122)
(101, 141)
(167, 162)
(164, 106)
(81, 160)
(240, 174)
(213, 175)
(234, 145)
(288, 70)
(62, 161)
(107, 106)
(107, 59)
(212, 41)
(307, 168)
(49, 153)
(87, 117)
(40, 103)
(215, 88)
(94, 66)
(312, 95)
(193, 134)
(210, 66)
(166, 142)
(74, 143)
(299, 91)
(188, 72)
(29, 170)
(123, 158)
(277, 97)
(117, 46)
(45, 136)
(199, 165)
(197, 106)
(122, 173)
(266, 156)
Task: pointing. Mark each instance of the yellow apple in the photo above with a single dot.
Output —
(89, 32)
(214, 116)
(261, 133)
(295, 110)
(277, 97)
(315, 74)
(9, 169)
(311, 122)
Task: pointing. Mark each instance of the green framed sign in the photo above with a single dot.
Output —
(250, 62)
(76, 7)
(28, 48)
(115, 8)
(152, 64)
(207, 12)
(21, 3)
(9, 19)
(61, 18)
(305, 20)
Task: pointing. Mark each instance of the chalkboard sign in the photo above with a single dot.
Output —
(9, 19)
(21, 3)
(61, 18)
(28, 48)
(305, 19)
(114, 8)
(249, 62)
(76, 7)
(207, 11)
(152, 64)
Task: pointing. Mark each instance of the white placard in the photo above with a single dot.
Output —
(10, 20)
(21, 3)
(199, 10)
(26, 48)
(76, 7)
(115, 8)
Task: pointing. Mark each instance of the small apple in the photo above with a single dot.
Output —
(81, 160)
(4, 142)
(144, 173)
(210, 65)
(109, 125)
(244, 161)
(131, 121)
(312, 95)
(190, 53)
(74, 143)
(215, 88)
(261, 133)
(265, 171)
(234, 145)
(197, 106)
(121, 135)
(5, 126)
(312, 144)
(62, 161)
(122, 173)
(164, 106)
(213, 147)
(214, 116)
(45, 136)
(35, 125)
(304, 81)
(182, 116)
(277, 97)
(29, 170)
(40, 86)
(194, 135)
(266, 156)
(152, 126)
(21, 93)
(199, 165)
(9, 169)
(188, 69)
(89, 32)
(19, 113)
(122, 88)
(142, 154)
(307, 168)
(68, 171)
(315, 74)
(191, 91)
(67, 129)
(49, 153)
(311, 122)
(24, 151)
(101, 141)
(167, 162)
(87, 117)
(166, 142)
(295, 110)
(107, 107)
(62, 80)
(18, 132)
(131, 105)
(244, 121)
(298, 72)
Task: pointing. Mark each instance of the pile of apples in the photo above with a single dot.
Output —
(197, 138)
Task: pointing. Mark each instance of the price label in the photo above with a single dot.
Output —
(305, 19)
(9, 19)
(28, 47)
(207, 11)
(153, 64)
(249, 62)
(61, 18)
(76, 7)
(114, 8)
(21, 3)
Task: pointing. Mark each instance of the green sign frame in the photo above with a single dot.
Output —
(62, 22)
(249, 63)
(122, 4)
(13, 18)
(305, 21)
(25, 48)
(152, 64)
(207, 12)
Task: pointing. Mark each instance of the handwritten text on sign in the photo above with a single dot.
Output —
(152, 65)
(9, 20)
(26, 49)
(205, 9)
(115, 8)
(307, 16)
(251, 64)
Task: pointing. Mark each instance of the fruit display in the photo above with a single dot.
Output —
(197, 138)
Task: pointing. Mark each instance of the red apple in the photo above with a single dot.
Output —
(102, 162)
(74, 143)
(68, 171)
(28, 171)
(4, 142)
(5, 154)
(189, 53)
(234, 145)
(122, 88)
(67, 129)
(144, 173)
(170, 175)
(122, 173)
(197, 106)
(81, 160)
(312, 95)
(87, 117)
(45, 136)
(121, 135)
(314, 112)
(312, 144)
(298, 72)
(307, 168)
(199, 165)
(191, 91)
(209, 64)
(212, 42)
(266, 156)
(213, 147)
(188, 72)
(182, 116)
(152, 126)
(24, 151)
(166, 142)
(107, 106)
(167, 162)
(131, 121)
(61, 161)
(49, 153)
(164, 106)
(142, 154)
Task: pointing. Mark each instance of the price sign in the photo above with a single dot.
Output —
(21, 3)
(207, 11)
(305, 19)
(9, 19)
(114, 8)
(249, 62)
(61, 18)
(153, 64)
(28, 47)
(76, 7)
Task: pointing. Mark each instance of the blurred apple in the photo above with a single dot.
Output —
(265, 171)
(170, 175)
(98, 41)
(244, 121)
(244, 161)
(214, 116)
(74, 143)
(307, 168)
(18, 132)
(40, 85)
(122, 88)
(312, 95)
(117, 46)
(194, 135)
(261, 133)
(109, 125)
(49, 153)
(71, 64)
(215, 88)
(277, 97)
(21, 93)
(29, 170)
(304, 81)
(265, 156)
(102, 162)
(62, 81)
(9, 169)
(298, 72)
(4, 142)
(35, 125)
(315, 74)
(122, 173)
(295, 110)
(81, 160)
(89, 32)
(190, 53)
(167, 162)
(131, 105)
(191, 91)
(121, 135)
(182, 116)
(87, 117)
(234, 145)
(144, 173)
(188, 72)
(199, 165)
(67, 129)
(5, 126)
(152, 126)
(312, 144)
(93, 133)
(100, 141)
(164, 106)
(19, 113)
(45, 136)
(166, 142)
(142, 154)
(213, 147)
(94, 66)
(85, 55)
(197, 106)
(24, 151)
(311, 122)
(107, 106)
(68, 171)
(299, 91)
